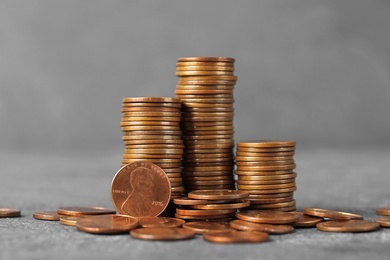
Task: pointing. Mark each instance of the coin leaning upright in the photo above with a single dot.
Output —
(140, 189)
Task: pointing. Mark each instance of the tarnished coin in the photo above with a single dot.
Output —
(268, 217)
(268, 228)
(140, 189)
(47, 215)
(326, 213)
(202, 227)
(107, 224)
(355, 225)
(235, 236)
(218, 194)
(149, 222)
(9, 213)
(82, 211)
(306, 220)
(385, 211)
(162, 233)
(383, 221)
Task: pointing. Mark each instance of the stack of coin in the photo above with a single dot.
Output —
(211, 205)
(205, 88)
(151, 132)
(265, 171)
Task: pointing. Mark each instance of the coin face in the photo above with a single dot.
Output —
(355, 225)
(162, 233)
(140, 189)
(235, 236)
(47, 215)
(107, 224)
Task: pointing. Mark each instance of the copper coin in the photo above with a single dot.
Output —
(233, 205)
(150, 109)
(270, 200)
(208, 178)
(268, 228)
(263, 163)
(151, 150)
(202, 227)
(306, 220)
(203, 105)
(354, 225)
(149, 128)
(267, 168)
(266, 182)
(262, 158)
(151, 104)
(205, 63)
(155, 146)
(136, 156)
(205, 109)
(205, 218)
(140, 189)
(151, 100)
(47, 215)
(275, 206)
(235, 236)
(385, 211)
(270, 191)
(154, 142)
(195, 212)
(205, 59)
(383, 221)
(162, 132)
(325, 213)
(268, 217)
(265, 149)
(265, 154)
(273, 195)
(284, 209)
(162, 233)
(266, 186)
(82, 211)
(149, 222)
(149, 118)
(204, 68)
(208, 183)
(266, 177)
(9, 213)
(218, 194)
(107, 224)
(202, 87)
(187, 201)
(206, 168)
(266, 143)
(69, 220)
(128, 136)
(211, 187)
(206, 78)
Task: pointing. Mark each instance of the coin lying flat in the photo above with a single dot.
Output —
(306, 220)
(202, 227)
(218, 194)
(268, 217)
(162, 233)
(69, 220)
(9, 213)
(325, 213)
(140, 189)
(385, 211)
(235, 236)
(149, 222)
(383, 221)
(354, 225)
(268, 228)
(47, 215)
(107, 224)
(82, 211)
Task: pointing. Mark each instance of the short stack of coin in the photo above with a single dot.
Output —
(265, 171)
(211, 205)
(205, 88)
(151, 132)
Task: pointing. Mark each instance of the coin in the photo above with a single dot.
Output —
(268, 217)
(204, 68)
(82, 211)
(195, 212)
(149, 222)
(47, 215)
(150, 104)
(233, 205)
(9, 213)
(240, 164)
(385, 211)
(264, 154)
(140, 189)
(235, 236)
(325, 213)
(150, 99)
(289, 149)
(218, 194)
(266, 143)
(265, 182)
(205, 59)
(187, 201)
(266, 186)
(162, 233)
(354, 225)
(107, 224)
(268, 167)
(258, 159)
(202, 227)
(306, 220)
(69, 220)
(269, 200)
(270, 191)
(272, 195)
(274, 206)
(383, 221)
(204, 63)
(220, 217)
(266, 176)
(268, 228)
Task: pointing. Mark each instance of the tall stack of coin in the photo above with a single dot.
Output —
(205, 87)
(151, 132)
(265, 171)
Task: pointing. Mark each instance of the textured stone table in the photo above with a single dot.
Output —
(352, 179)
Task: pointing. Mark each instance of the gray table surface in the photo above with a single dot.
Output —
(352, 179)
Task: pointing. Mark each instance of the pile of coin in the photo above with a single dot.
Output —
(151, 132)
(205, 88)
(207, 205)
(265, 171)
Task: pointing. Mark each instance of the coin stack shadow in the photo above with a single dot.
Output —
(265, 171)
(151, 132)
(205, 88)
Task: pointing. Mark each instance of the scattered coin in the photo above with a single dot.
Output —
(202, 227)
(333, 214)
(306, 220)
(9, 213)
(235, 236)
(149, 222)
(162, 233)
(47, 215)
(82, 211)
(354, 225)
(268, 217)
(268, 228)
(107, 224)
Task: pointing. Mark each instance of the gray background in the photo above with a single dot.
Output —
(315, 71)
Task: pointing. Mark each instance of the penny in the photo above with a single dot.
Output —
(275, 206)
(107, 224)
(156, 132)
(266, 186)
(195, 212)
(235, 236)
(272, 195)
(187, 201)
(130, 136)
(151, 123)
(69, 220)
(220, 217)
(150, 109)
(265, 154)
(268, 167)
(202, 227)
(150, 128)
(354, 225)
(151, 114)
(205, 59)
(268, 228)
(162, 233)
(149, 222)
(265, 149)
(283, 209)
(265, 182)
(266, 143)
(203, 91)
(235, 205)
(270, 200)
(153, 151)
(268, 217)
(206, 168)
(266, 176)
(204, 63)
(325, 213)
(258, 159)
(211, 187)
(203, 87)
(210, 109)
(82, 211)
(149, 118)
(207, 78)
(204, 68)
(306, 220)
(154, 105)
(208, 178)
(218, 194)
(200, 105)
(155, 146)
(47, 215)
(208, 183)
(150, 99)
(9, 213)
(270, 191)
(140, 189)
(263, 163)
(383, 221)
(385, 211)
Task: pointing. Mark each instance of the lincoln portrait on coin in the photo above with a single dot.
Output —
(139, 201)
